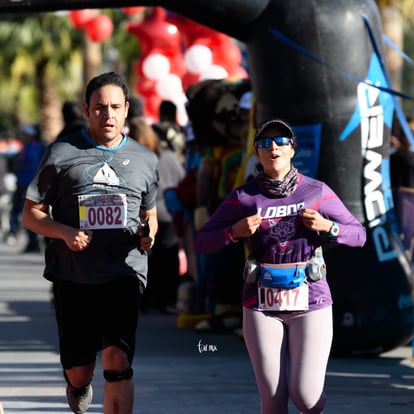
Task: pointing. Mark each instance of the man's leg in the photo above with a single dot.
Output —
(79, 389)
(120, 313)
(80, 376)
(77, 341)
(119, 386)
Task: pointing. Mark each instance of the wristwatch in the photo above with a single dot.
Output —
(334, 230)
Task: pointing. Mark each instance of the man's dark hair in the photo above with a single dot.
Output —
(108, 78)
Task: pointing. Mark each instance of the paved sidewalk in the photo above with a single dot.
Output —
(177, 371)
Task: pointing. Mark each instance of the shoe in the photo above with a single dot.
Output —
(79, 398)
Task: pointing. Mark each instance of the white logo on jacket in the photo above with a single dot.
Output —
(280, 211)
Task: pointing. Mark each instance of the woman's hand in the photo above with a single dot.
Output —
(245, 227)
(314, 221)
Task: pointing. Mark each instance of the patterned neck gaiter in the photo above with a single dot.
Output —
(278, 188)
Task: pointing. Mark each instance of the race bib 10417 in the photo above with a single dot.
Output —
(296, 299)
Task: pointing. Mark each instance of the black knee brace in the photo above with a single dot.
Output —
(114, 376)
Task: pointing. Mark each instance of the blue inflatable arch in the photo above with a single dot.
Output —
(319, 66)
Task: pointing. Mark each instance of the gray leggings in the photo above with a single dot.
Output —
(305, 340)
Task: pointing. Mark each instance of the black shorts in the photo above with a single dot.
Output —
(92, 317)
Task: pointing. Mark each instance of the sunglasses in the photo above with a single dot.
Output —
(266, 142)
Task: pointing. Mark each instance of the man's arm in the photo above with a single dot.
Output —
(36, 218)
(149, 216)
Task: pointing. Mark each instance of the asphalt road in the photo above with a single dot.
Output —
(176, 370)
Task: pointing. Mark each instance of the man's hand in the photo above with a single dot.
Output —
(77, 240)
(145, 239)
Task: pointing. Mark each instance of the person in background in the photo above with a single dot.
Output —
(72, 118)
(193, 292)
(247, 116)
(285, 218)
(245, 108)
(143, 133)
(170, 134)
(402, 159)
(135, 108)
(4, 195)
(101, 187)
(25, 169)
(217, 174)
(9, 150)
(135, 111)
(163, 262)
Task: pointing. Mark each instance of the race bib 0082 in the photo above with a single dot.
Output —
(102, 211)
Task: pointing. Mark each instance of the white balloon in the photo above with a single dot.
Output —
(214, 72)
(169, 87)
(155, 66)
(182, 116)
(180, 101)
(198, 58)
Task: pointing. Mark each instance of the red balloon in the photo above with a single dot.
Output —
(190, 30)
(176, 60)
(154, 32)
(238, 73)
(189, 79)
(210, 42)
(133, 10)
(100, 28)
(226, 53)
(138, 67)
(152, 106)
(146, 87)
(79, 18)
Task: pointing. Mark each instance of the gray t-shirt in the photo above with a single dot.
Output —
(73, 168)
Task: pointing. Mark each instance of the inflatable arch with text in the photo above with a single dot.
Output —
(319, 66)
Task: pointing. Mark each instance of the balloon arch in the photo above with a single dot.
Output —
(319, 66)
(175, 52)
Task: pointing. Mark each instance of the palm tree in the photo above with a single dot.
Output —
(44, 60)
(40, 59)
(391, 18)
(398, 19)
(407, 10)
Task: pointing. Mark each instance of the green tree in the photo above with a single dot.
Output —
(45, 61)
(407, 11)
(40, 59)
(397, 18)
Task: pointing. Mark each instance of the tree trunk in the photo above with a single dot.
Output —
(51, 119)
(92, 58)
(393, 29)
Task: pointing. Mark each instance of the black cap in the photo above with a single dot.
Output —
(278, 123)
